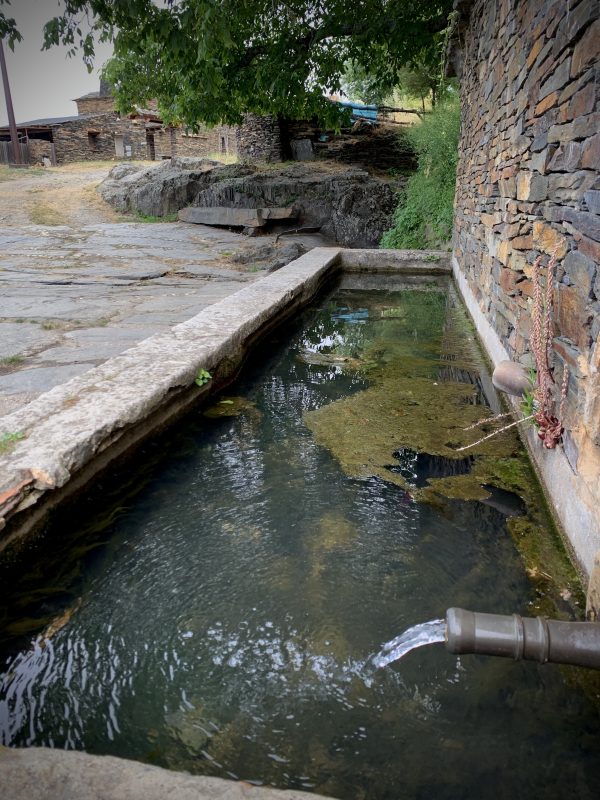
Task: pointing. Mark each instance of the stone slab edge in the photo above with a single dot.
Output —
(426, 261)
(79, 427)
(41, 773)
(569, 499)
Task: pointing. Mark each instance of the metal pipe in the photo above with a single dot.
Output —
(530, 638)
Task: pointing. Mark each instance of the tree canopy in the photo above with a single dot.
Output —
(213, 60)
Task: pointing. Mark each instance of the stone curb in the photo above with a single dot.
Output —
(41, 773)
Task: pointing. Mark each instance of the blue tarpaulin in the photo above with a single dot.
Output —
(360, 110)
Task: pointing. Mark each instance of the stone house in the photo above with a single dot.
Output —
(528, 184)
(99, 132)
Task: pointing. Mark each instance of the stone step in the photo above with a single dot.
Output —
(236, 217)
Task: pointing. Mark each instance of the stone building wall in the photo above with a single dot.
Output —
(259, 139)
(220, 140)
(39, 149)
(92, 137)
(528, 182)
(95, 105)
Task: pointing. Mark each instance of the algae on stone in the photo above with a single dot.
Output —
(426, 403)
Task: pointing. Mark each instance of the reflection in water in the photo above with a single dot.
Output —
(233, 593)
(418, 468)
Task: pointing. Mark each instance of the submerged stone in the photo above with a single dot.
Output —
(231, 407)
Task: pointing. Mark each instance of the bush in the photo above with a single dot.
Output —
(423, 218)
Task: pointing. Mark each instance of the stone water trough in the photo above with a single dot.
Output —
(61, 441)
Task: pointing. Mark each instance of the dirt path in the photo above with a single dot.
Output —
(55, 196)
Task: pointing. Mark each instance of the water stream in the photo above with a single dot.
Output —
(214, 608)
(431, 632)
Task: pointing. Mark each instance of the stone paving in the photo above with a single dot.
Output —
(73, 297)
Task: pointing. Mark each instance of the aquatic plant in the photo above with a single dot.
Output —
(538, 404)
(202, 377)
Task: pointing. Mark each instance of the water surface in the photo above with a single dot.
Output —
(217, 607)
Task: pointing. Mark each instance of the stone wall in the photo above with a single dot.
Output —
(39, 149)
(95, 105)
(259, 139)
(220, 140)
(528, 182)
(92, 137)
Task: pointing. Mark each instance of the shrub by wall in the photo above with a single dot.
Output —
(423, 218)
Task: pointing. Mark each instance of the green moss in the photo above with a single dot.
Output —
(425, 404)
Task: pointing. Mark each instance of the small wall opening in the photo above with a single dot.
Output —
(94, 140)
(150, 147)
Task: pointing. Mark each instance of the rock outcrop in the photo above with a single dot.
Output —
(346, 204)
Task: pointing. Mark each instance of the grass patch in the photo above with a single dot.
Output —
(423, 218)
(14, 174)
(11, 361)
(44, 214)
(52, 325)
(8, 441)
(224, 158)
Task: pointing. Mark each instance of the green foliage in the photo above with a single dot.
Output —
(202, 377)
(423, 217)
(528, 403)
(11, 361)
(358, 84)
(212, 61)
(8, 27)
(8, 441)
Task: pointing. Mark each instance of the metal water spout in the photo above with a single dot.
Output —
(530, 638)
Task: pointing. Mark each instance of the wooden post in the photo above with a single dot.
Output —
(14, 136)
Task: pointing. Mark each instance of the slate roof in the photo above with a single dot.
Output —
(48, 121)
(89, 96)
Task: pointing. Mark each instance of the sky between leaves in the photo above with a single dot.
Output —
(44, 83)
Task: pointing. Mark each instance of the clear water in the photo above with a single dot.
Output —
(216, 608)
(426, 633)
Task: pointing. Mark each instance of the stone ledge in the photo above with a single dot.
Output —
(428, 261)
(41, 773)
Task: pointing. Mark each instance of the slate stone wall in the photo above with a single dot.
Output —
(528, 181)
(92, 137)
(220, 140)
(259, 139)
(95, 105)
(39, 149)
